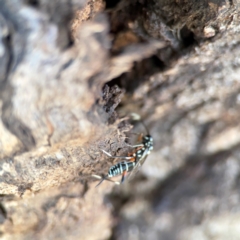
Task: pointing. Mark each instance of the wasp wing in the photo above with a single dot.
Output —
(138, 165)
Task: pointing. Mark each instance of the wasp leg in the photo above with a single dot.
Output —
(108, 154)
(124, 176)
(134, 146)
(100, 182)
(102, 179)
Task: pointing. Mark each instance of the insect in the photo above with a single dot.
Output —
(132, 162)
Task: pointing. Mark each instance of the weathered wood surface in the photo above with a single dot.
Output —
(176, 64)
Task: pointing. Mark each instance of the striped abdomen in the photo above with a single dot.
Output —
(121, 167)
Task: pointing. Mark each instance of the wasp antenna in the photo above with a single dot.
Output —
(137, 117)
(145, 127)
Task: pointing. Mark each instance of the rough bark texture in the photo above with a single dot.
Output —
(65, 66)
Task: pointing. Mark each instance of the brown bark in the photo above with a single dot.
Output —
(176, 63)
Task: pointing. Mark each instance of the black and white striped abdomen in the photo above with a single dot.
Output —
(121, 167)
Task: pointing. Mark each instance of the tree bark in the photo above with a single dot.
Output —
(65, 68)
